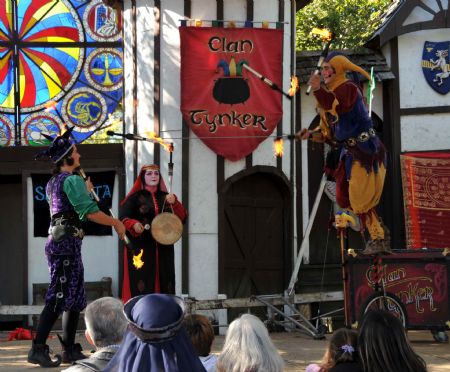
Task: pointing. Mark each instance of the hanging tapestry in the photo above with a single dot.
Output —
(229, 108)
(103, 186)
(426, 194)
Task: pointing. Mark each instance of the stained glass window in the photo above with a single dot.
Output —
(61, 63)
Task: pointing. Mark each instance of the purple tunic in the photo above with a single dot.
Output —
(66, 289)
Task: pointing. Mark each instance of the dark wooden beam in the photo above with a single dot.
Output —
(185, 187)
(392, 205)
(157, 79)
(250, 5)
(425, 110)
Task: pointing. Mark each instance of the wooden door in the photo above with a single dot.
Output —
(254, 236)
(13, 261)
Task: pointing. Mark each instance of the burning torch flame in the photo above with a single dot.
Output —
(154, 137)
(278, 146)
(137, 262)
(294, 86)
(325, 34)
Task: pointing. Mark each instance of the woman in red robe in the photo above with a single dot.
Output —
(147, 198)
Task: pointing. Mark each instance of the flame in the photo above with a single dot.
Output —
(278, 147)
(325, 34)
(294, 85)
(137, 262)
(154, 137)
(49, 106)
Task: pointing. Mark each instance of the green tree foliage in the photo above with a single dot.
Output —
(352, 21)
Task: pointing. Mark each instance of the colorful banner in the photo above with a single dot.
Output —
(419, 279)
(103, 186)
(224, 104)
(426, 194)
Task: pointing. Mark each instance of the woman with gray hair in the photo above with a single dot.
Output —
(248, 348)
(105, 326)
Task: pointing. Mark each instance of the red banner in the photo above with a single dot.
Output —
(224, 104)
(426, 193)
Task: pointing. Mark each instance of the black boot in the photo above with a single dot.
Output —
(40, 354)
(71, 353)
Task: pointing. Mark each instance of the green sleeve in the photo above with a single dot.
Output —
(76, 191)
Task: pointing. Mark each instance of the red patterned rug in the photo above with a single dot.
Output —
(426, 194)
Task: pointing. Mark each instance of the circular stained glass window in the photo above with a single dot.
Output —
(61, 63)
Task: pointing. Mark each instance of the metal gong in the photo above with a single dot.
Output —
(166, 228)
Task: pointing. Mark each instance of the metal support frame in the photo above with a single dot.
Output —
(294, 318)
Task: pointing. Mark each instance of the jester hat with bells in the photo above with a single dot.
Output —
(59, 148)
(341, 64)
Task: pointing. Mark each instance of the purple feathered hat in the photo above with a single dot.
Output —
(60, 147)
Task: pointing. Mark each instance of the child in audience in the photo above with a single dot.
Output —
(341, 354)
(201, 333)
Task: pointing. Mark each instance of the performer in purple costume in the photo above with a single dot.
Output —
(69, 202)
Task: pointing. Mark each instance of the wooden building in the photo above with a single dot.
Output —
(240, 238)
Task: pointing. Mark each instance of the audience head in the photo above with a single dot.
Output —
(383, 345)
(341, 349)
(248, 348)
(105, 322)
(201, 333)
(155, 340)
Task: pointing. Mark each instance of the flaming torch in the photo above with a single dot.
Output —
(278, 146)
(327, 37)
(271, 84)
(154, 138)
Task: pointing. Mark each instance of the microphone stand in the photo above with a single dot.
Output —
(97, 199)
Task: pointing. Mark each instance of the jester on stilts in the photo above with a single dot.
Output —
(345, 123)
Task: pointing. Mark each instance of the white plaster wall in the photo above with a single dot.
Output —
(100, 253)
(308, 112)
(203, 218)
(386, 51)
(377, 103)
(145, 78)
(288, 70)
(170, 115)
(414, 89)
(128, 91)
(425, 132)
